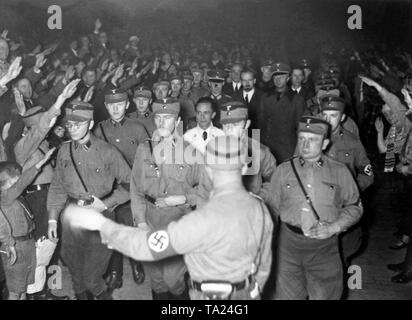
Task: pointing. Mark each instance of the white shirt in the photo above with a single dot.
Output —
(248, 94)
(236, 86)
(297, 90)
(195, 136)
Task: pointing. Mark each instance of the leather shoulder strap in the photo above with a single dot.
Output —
(308, 199)
(76, 169)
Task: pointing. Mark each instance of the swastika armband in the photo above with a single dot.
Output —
(368, 170)
(159, 244)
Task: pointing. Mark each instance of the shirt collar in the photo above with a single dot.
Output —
(120, 123)
(143, 115)
(84, 146)
(318, 163)
(249, 93)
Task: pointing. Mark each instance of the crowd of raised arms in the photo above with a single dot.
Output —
(79, 119)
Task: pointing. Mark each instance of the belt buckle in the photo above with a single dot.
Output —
(80, 202)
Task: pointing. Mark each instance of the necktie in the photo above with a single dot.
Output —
(246, 98)
(204, 135)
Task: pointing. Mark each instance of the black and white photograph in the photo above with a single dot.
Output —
(222, 151)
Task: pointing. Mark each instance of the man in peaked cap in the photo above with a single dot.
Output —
(163, 188)
(347, 148)
(125, 134)
(28, 151)
(312, 214)
(234, 230)
(235, 123)
(216, 81)
(265, 82)
(91, 173)
(307, 71)
(280, 114)
(161, 89)
(143, 99)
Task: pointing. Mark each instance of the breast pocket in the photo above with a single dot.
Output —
(329, 193)
(346, 156)
(291, 191)
(181, 171)
(151, 170)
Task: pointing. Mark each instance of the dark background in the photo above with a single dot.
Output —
(292, 26)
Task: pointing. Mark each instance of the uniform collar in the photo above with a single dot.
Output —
(84, 146)
(318, 163)
(143, 115)
(120, 123)
(230, 187)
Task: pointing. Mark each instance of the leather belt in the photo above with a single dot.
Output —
(37, 187)
(24, 238)
(80, 202)
(236, 286)
(294, 229)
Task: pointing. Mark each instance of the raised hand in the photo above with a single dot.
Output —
(407, 97)
(104, 65)
(40, 61)
(119, 73)
(97, 25)
(379, 125)
(134, 66)
(369, 81)
(18, 99)
(36, 50)
(70, 89)
(89, 94)
(4, 34)
(13, 71)
(70, 71)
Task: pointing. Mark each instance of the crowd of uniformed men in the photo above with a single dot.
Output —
(217, 172)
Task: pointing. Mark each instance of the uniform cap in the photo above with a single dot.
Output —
(216, 75)
(313, 125)
(195, 69)
(267, 62)
(332, 102)
(115, 95)
(175, 77)
(168, 105)
(143, 92)
(161, 83)
(233, 111)
(187, 75)
(32, 116)
(79, 111)
(225, 153)
(281, 68)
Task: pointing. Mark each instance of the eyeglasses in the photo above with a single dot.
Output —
(75, 125)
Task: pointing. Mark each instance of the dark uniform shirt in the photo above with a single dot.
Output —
(15, 210)
(172, 177)
(258, 182)
(219, 240)
(147, 120)
(279, 121)
(125, 135)
(328, 183)
(99, 164)
(348, 149)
